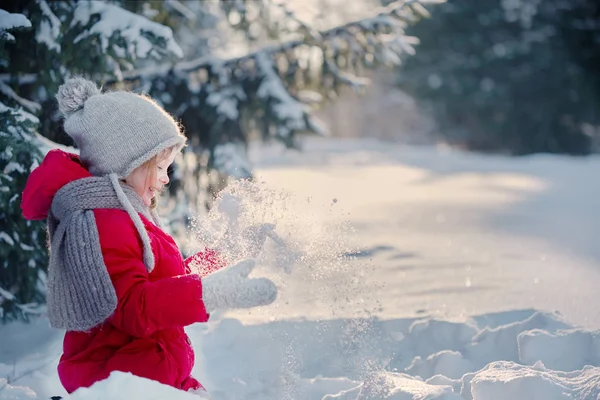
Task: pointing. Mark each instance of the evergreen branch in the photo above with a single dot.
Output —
(6, 295)
(314, 34)
(21, 79)
(31, 106)
(399, 9)
(316, 37)
(29, 308)
(182, 9)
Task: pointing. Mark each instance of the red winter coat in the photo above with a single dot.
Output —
(145, 333)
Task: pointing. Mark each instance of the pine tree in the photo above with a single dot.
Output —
(511, 76)
(22, 252)
(50, 42)
(289, 68)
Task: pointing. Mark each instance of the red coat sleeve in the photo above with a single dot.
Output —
(144, 307)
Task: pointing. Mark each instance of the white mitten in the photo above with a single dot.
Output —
(230, 287)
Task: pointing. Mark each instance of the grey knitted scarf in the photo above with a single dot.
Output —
(80, 294)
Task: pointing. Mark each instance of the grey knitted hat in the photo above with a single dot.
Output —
(115, 132)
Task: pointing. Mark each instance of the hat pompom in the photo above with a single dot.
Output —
(73, 94)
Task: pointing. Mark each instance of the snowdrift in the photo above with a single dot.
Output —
(484, 358)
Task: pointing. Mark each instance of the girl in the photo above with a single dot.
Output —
(116, 281)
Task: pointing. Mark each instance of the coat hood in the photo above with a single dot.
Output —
(56, 170)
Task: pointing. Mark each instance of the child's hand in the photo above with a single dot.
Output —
(204, 262)
(230, 287)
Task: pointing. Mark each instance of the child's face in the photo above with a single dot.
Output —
(147, 180)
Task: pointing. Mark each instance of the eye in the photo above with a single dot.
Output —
(159, 168)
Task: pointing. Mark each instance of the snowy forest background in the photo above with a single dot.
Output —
(229, 70)
(501, 76)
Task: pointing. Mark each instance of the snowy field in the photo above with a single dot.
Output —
(403, 273)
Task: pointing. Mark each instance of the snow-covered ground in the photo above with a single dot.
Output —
(409, 273)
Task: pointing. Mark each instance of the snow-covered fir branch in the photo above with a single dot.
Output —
(23, 79)
(31, 106)
(138, 32)
(48, 31)
(312, 33)
(181, 8)
(290, 112)
(9, 21)
(376, 40)
(231, 159)
(20, 116)
(226, 100)
(28, 309)
(395, 16)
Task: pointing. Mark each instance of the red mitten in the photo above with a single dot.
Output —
(204, 262)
